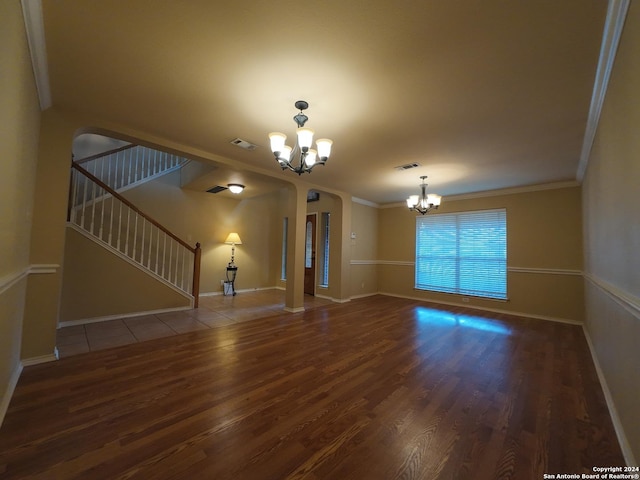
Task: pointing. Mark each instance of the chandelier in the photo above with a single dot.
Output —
(423, 203)
(301, 158)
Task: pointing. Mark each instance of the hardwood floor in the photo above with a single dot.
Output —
(214, 311)
(377, 388)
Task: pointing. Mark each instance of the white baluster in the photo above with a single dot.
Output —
(184, 266)
(95, 167)
(84, 202)
(135, 236)
(151, 227)
(170, 260)
(93, 207)
(115, 185)
(157, 249)
(126, 231)
(102, 197)
(164, 255)
(131, 163)
(144, 223)
(175, 275)
(119, 225)
(74, 201)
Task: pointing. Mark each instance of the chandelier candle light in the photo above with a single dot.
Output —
(423, 203)
(302, 158)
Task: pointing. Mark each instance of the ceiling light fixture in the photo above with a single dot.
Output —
(235, 187)
(423, 203)
(301, 158)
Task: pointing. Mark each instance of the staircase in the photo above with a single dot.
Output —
(97, 209)
(131, 165)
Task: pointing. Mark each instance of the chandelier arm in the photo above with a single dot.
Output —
(301, 167)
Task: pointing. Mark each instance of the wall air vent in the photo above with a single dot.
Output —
(406, 166)
(217, 189)
(243, 144)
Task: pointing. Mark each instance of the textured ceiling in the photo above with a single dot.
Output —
(482, 94)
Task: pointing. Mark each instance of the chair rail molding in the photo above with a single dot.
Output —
(629, 302)
(10, 280)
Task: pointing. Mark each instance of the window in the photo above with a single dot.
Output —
(463, 253)
(308, 245)
(324, 249)
(285, 228)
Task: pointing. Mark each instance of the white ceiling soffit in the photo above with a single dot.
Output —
(32, 13)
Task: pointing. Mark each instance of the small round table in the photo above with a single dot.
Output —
(232, 271)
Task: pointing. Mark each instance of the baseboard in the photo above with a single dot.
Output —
(8, 393)
(294, 310)
(244, 290)
(84, 321)
(27, 362)
(613, 412)
(333, 299)
(364, 295)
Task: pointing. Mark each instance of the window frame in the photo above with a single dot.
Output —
(452, 265)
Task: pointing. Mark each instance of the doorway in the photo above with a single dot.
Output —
(310, 255)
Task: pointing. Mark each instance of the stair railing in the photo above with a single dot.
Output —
(127, 166)
(99, 210)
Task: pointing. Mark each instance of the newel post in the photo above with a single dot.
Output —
(196, 275)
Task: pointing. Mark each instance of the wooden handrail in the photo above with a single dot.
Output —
(115, 194)
(195, 289)
(104, 154)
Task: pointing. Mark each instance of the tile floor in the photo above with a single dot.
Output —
(214, 311)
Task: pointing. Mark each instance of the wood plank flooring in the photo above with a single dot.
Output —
(377, 388)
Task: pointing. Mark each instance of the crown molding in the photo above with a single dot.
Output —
(499, 192)
(34, 24)
(616, 15)
(362, 201)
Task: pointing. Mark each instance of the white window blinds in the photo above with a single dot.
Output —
(463, 253)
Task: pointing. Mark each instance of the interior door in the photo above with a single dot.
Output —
(310, 255)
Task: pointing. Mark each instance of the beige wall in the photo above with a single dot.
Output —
(364, 250)
(543, 253)
(198, 216)
(611, 202)
(97, 283)
(47, 236)
(19, 128)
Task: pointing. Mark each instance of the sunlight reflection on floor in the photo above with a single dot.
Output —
(433, 316)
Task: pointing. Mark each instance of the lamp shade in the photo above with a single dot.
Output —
(285, 154)
(324, 147)
(277, 140)
(305, 137)
(434, 199)
(234, 239)
(310, 159)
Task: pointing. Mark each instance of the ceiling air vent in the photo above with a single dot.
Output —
(243, 144)
(407, 166)
(217, 189)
